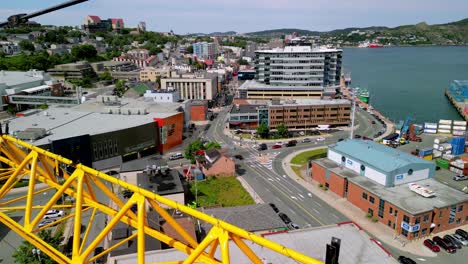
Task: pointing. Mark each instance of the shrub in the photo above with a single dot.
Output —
(325, 188)
(374, 219)
(320, 185)
(368, 215)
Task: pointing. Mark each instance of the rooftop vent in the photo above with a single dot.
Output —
(31, 133)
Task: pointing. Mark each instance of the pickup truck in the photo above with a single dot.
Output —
(460, 178)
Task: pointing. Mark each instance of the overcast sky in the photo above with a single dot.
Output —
(184, 16)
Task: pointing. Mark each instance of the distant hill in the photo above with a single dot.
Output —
(227, 33)
(282, 31)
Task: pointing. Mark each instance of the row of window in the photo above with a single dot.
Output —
(306, 110)
(105, 149)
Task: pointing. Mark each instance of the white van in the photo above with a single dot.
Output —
(176, 156)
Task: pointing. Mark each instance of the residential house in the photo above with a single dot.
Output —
(216, 164)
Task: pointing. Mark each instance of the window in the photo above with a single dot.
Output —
(416, 234)
(371, 199)
(440, 213)
(364, 195)
(404, 232)
(406, 218)
(426, 218)
(460, 208)
(389, 223)
(370, 211)
(453, 211)
(381, 208)
(423, 232)
(417, 220)
(396, 212)
(458, 221)
(390, 211)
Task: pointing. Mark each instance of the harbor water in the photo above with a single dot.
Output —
(406, 81)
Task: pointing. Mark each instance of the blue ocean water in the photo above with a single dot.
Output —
(408, 80)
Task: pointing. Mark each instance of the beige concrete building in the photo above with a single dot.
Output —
(151, 74)
(199, 85)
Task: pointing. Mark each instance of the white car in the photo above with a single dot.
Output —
(460, 239)
(45, 222)
(320, 139)
(53, 214)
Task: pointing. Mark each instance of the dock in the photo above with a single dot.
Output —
(347, 94)
(459, 106)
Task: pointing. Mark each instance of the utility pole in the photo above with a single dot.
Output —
(353, 101)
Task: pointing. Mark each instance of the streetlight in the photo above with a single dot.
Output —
(38, 252)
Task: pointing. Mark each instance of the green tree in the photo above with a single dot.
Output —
(263, 131)
(189, 50)
(212, 144)
(85, 51)
(26, 45)
(192, 148)
(24, 254)
(282, 131)
(120, 87)
(243, 62)
(105, 76)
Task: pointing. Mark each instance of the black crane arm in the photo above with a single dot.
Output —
(53, 8)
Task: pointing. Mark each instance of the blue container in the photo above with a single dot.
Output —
(200, 177)
(425, 152)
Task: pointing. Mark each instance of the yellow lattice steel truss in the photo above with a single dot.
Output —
(21, 159)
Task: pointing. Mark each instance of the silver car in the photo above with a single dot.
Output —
(460, 239)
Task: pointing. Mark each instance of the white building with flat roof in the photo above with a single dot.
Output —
(199, 85)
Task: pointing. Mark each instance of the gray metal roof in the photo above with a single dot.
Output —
(63, 123)
(161, 184)
(12, 78)
(141, 164)
(253, 218)
(401, 196)
(356, 247)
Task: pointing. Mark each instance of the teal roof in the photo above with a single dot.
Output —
(379, 156)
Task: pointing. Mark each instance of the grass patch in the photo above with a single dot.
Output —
(305, 156)
(297, 170)
(226, 191)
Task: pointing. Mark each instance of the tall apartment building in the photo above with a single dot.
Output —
(294, 72)
(192, 86)
(205, 50)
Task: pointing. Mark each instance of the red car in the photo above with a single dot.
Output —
(431, 245)
(276, 146)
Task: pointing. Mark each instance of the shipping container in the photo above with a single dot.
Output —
(459, 123)
(447, 156)
(430, 125)
(461, 128)
(445, 122)
(440, 140)
(430, 131)
(425, 152)
(442, 163)
(445, 127)
(458, 133)
(428, 157)
(443, 131)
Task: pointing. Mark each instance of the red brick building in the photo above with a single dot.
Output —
(404, 211)
(198, 110)
(216, 164)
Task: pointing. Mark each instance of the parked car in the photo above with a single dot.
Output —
(460, 178)
(45, 222)
(453, 241)
(273, 206)
(462, 233)
(237, 131)
(294, 226)
(291, 143)
(406, 260)
(444, 244)
(176, 156)
(262, 146)
(306, 140)
(357, 136)
(373, 122)
(239, 157)
(276, 146)
(340, 139)
(53, 214)
(431, 245)
(285, 218)
(320, 139)
(460, 239)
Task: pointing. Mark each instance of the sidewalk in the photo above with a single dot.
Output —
(378, 230)
(250, 190)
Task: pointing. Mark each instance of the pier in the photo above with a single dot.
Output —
(459, 106)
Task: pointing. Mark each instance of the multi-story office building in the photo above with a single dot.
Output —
(294, 72)
(205, 50)
(302, 114)
(192, 86)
